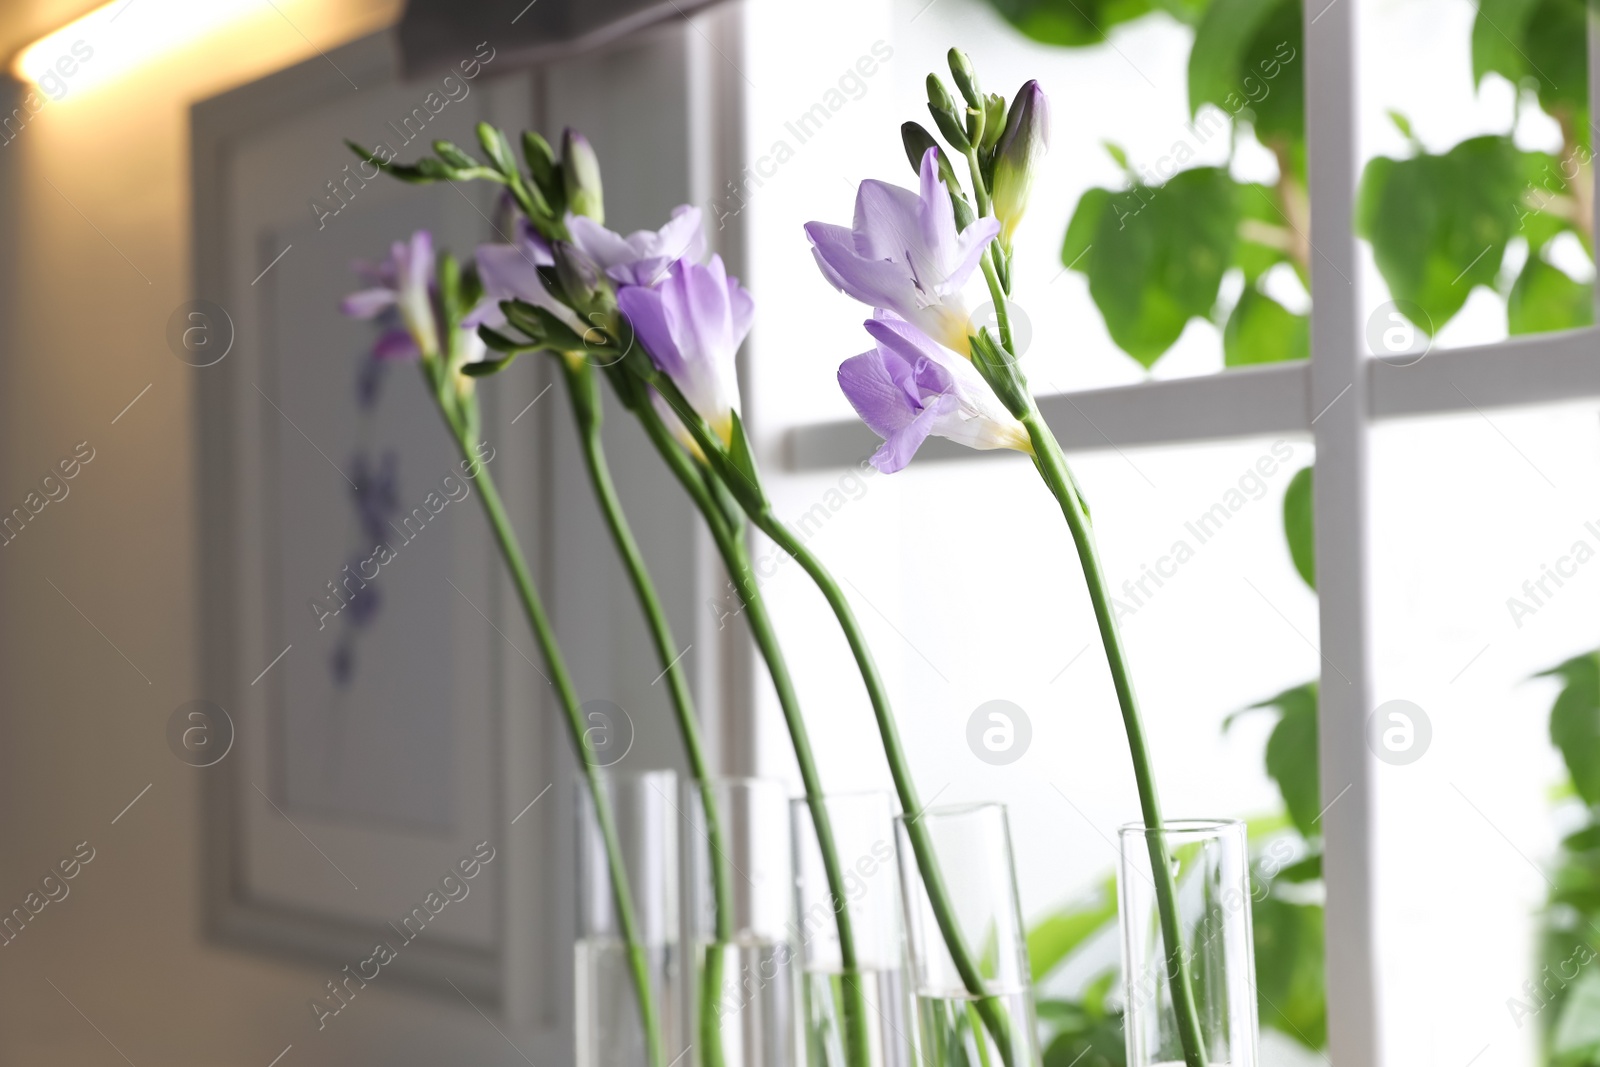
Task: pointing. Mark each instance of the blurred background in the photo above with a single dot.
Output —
(167, 159)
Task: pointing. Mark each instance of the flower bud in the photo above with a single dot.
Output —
(994, 119)
(1017, 153)
(577, 277)
(580, 173)
(966, 78)
(943, 110)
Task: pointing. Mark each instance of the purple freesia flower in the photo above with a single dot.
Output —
(511, 272)
(904, 254)
(692, 325)
(909, 388)
(403, 283)
(645, 256)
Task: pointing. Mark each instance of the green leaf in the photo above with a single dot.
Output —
(1248, 58)
(1585, 840)
(1070, 23)
(1439, 224)
(1289, 969)
(1261, 330)
(1299, 527)
(1575, 722)
(1544, 299)
(1306, 870)
(1542, 42)
(1402, 124)
(1292, 756)
(1155, 255)
(1058, 935)
(740, 454)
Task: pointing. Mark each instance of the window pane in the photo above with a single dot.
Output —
(817, 126)
(1477, 185)
(1466, 511)
(968, 585)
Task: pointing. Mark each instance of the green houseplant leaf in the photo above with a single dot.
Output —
(1247, 56)
(1575, 722)
(1542, 41)
(1439, 224)
(1544, 298)
(1290, 948)
(1261, 330)
(1155, 255)
(1299, 526)
(1070, 23)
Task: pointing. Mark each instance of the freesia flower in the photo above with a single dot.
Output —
(511, 272)
(691, 326)
(909, 388)
(904, 254)
(402, 283)
(642, 257)
(1026, 137)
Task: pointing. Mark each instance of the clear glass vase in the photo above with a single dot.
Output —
(1210, 861)
(863, 839)
(741, 1000)
(974, 894)
(610, 1030)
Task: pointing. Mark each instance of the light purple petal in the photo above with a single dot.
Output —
(873, 391)
(644, 310)
(901, 445)
(487, 313)
(968, 250)
(601, 245)
(367, 303)
(508, 273)
(878, 282)
(395, 345)
(885, 224)
(683, 237)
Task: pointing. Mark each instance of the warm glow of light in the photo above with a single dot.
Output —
(118, 37)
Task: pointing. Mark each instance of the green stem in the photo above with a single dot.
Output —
(997, 296)
(992, 1011)
(736, 560)
(583, 391)
(980, 188)
(1053, 467)
(622, 895)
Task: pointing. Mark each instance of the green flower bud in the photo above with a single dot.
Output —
(545, 170)
(994, 119)
(966, 78)
(580, 173)
(576, 275)
(943, 110)
(1016, 158)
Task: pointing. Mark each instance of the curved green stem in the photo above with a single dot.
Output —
(533, 607)
(736, 560)
(583, 391)
(1053, 467)
(989, 1008)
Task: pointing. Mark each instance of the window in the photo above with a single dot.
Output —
(1442, 484)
